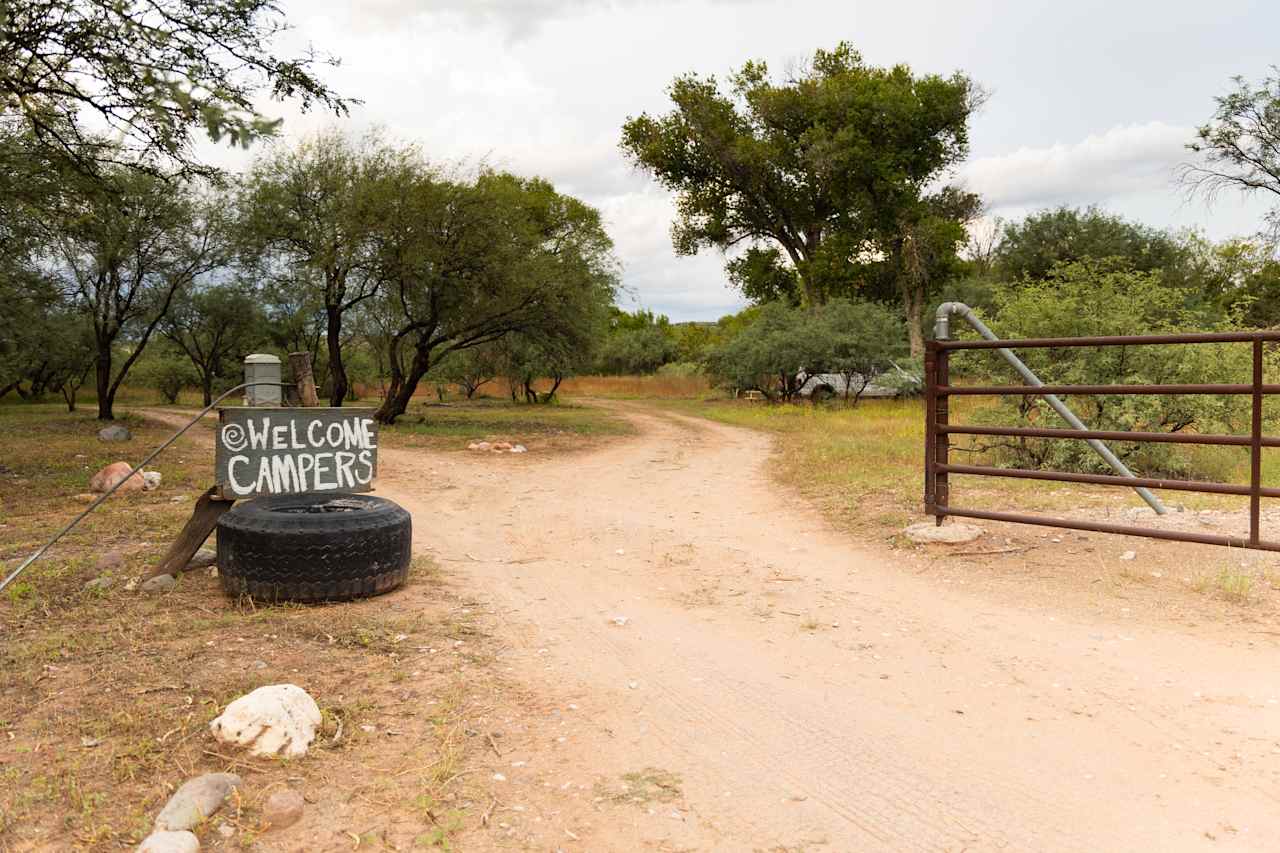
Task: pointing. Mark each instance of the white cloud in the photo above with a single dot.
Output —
(1122, 161)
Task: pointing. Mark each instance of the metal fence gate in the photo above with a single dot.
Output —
(938, 429)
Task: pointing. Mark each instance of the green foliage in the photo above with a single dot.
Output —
(314, 217)
(167, 370)
(1094, 299)
(845, 337)
(471, 368)
(153, 72)
(470, 262)
(1033, 247)
(215, 328)
(681, 369)
(637, 343)
(830, 164)
(121, 248)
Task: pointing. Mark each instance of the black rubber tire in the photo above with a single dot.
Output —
(317, 546)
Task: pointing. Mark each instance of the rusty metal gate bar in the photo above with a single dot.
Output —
(938, 428)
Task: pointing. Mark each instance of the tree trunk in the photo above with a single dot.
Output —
(69, 394)
(397, 401)
(106, 394)
(337, 373)
(913, 303)
(556, 379)
(206, 389)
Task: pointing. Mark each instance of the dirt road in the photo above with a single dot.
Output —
(809, 693)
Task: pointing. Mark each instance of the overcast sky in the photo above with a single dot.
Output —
(1091, 102)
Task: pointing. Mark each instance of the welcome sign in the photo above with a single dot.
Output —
(283, 451)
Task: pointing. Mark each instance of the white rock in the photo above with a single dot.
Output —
(927, 532)
(151, 480)
(479, 445)
(280, 719)
(519, 448)
(169, 842)
(620, 621)
(1129, 555)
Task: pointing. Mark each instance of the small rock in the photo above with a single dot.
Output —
(151, 480)
(1129, 555)
(169, 842)
(203, 559)
(177, 499)
(620, 621)
(159, 583)
(283, 808)
(519, 448)
(196, 800)
(115, 432)
(98, 583)
(927, 532)
(479, 445)
(502, 446)
(86, 497)
(116, 472)
(280, 719)
(113, 559)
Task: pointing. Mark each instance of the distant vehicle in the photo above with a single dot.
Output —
(825, 386)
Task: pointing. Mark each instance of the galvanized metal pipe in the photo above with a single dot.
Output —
(138, 470)
(942, 331)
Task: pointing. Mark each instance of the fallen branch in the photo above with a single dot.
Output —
(1017, 550)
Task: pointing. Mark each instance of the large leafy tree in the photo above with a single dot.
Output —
(827, 166)
(469, 262)
(123, 246)
(314, 214)
(1239, 148)
(149, 73)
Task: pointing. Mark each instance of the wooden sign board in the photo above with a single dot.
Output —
(284, 451)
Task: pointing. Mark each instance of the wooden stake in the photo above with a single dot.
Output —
(300, 362)
(202, 522)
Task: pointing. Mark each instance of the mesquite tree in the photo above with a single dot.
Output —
(123, 246)
(466, 262)
(152, 72)
(316, 212)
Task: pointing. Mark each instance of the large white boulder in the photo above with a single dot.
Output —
(280, 719)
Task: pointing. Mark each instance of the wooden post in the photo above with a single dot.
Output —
(300, 363)
(202, 522)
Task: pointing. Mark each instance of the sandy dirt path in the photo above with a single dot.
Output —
(810, 693)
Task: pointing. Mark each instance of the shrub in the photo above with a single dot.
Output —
(681, 369)
(1083, 300)
(845, 337)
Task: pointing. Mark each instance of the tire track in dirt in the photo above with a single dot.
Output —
(813, 693)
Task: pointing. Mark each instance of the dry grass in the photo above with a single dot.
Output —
(639, 387)
(107, 695)
(450, 426)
